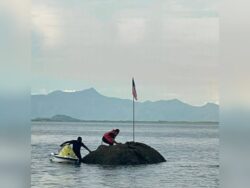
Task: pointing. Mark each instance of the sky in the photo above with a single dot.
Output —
(170, 47)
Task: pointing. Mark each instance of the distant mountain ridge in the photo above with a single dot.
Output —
(90, 105)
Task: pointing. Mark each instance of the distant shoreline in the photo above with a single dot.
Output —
(113, 121)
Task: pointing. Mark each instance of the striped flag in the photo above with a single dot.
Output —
(133, 89)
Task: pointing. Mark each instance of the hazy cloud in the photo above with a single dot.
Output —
(171, 47)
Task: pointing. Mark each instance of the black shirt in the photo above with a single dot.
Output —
(76, 145)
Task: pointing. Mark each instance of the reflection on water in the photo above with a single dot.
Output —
(191, 152)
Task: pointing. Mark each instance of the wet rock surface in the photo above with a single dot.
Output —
(130, 153)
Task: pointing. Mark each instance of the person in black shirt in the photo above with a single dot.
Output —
(77, 144)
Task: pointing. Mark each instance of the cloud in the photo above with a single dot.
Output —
(69, 90)
(131, 30)
(46, 25)
(169, 46)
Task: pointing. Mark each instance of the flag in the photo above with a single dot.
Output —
(133, 89)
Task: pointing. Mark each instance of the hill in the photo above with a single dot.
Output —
(90, 105)
(58, 118)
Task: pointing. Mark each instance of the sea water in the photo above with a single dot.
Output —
(191, 151)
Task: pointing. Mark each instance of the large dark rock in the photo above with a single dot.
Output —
(130, 153)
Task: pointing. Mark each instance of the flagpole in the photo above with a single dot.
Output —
(133, 119)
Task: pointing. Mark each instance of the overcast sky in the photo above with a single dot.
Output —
(169, 46)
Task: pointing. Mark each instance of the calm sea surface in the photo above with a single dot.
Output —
(191, 151)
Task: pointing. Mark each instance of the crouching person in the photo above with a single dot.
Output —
(109, 137)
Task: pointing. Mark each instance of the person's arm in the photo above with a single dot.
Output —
(114, 136)
(83, 145)
(67, 142)
(116, 142)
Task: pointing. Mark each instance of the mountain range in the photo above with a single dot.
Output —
(91, 105)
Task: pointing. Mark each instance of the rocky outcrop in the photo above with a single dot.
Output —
(130, 153)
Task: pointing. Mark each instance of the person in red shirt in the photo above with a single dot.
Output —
(109, 137)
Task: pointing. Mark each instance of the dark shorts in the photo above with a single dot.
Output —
(106, 141)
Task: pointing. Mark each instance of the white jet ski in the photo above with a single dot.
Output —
(65, 155)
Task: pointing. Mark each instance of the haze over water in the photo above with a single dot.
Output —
(191, 150)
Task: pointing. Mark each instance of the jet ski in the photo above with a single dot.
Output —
(65, 155)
